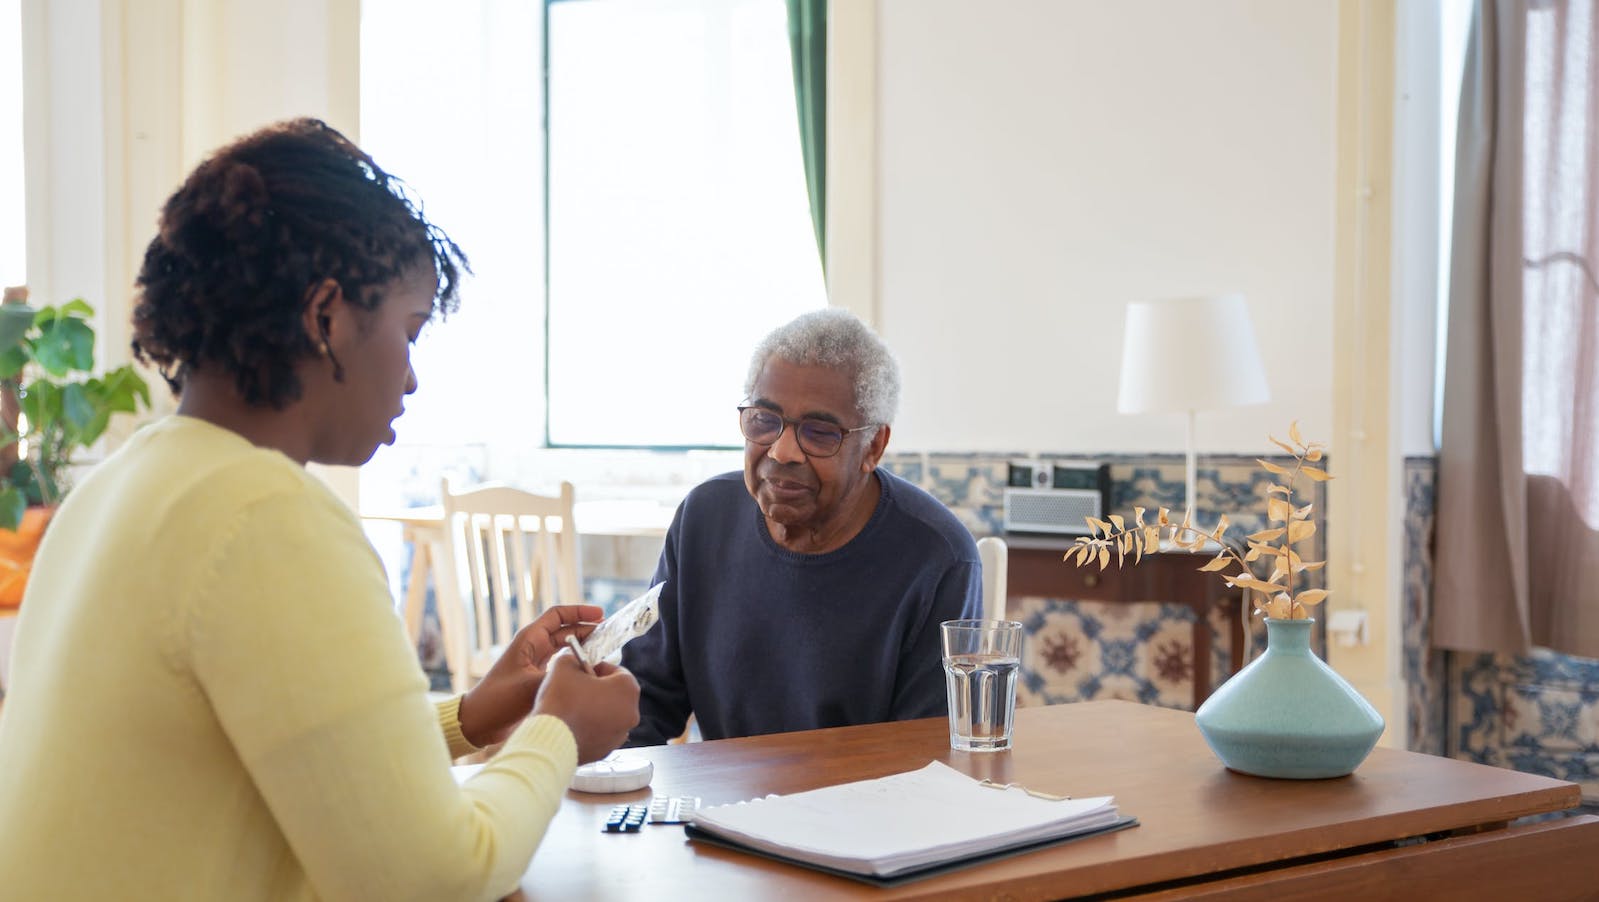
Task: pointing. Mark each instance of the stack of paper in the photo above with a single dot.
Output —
(903, 823)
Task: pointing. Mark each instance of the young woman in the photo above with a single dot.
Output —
(211, 695)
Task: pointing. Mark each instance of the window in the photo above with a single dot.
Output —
(458, 121)
(679, 227)
(678, 224)
(1454, 24)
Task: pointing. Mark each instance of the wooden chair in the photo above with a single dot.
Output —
(508, 555)
(995, 556)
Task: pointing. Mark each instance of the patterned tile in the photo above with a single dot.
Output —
(1537, 713)
(971, 487)
(1425, 667)
(1083, 651)
(910, 467)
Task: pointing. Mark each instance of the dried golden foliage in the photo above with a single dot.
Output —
(1277, 509)
(1275, 597)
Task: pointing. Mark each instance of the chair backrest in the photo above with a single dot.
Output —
(509, 554)
(995, 555)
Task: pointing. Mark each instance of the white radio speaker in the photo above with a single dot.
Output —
(1055, 498)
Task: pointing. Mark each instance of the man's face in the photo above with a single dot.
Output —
(794, 489)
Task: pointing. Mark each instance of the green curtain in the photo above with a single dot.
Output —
(807, 42)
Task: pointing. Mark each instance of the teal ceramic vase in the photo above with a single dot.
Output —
(1288, 715)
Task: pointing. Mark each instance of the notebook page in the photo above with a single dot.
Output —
(922, 816)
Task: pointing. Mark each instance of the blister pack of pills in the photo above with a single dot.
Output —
(625, 819)
(673, 809)
(632, 620)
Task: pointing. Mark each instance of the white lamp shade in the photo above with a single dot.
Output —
(1189, 354)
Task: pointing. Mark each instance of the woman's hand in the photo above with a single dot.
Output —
(492, 709)
(599, 708)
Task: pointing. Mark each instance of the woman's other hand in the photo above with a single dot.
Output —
(599, 708)
(492, 709)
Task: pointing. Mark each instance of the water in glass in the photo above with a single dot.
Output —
(982, 700)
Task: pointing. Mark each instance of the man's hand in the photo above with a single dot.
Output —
(599, 709)
(493, 708)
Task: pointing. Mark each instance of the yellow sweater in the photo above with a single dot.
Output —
(211, 698)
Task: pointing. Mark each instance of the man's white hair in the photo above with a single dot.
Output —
(834, 337)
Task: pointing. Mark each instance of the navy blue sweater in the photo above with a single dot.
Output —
(755, 638)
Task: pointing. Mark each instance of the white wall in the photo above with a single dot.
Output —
(1416, 228)
(63, 107)
(123, 97)
(1038, 163)
(1042, 162)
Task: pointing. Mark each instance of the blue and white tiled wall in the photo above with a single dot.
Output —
(1083, 650)
(1537, 712)
(1425, 666)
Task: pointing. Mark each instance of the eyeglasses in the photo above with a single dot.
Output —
(817, 438)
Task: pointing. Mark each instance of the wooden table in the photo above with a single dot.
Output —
(1436, 825)
(1036, 570)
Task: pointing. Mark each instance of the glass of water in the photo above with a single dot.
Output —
(981, 659)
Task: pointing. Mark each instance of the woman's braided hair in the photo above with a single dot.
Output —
(251, 231)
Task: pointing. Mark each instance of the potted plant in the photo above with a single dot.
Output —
(1285, 714)
(51, 407)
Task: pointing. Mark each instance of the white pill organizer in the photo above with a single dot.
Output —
(614, 773)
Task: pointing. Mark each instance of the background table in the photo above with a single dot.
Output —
(1202, 827)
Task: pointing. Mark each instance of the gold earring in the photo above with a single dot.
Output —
(322, 348)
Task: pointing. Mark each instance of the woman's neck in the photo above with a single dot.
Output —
(217, 401)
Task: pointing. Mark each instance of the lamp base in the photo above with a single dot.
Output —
(1192, 467)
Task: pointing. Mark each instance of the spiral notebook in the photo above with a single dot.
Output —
(904, 826)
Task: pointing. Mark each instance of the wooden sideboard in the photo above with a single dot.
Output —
(1036, 570)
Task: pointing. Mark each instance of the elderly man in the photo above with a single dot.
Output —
(807, 591)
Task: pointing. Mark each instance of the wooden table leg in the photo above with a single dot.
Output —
(1235, 637)
(1202, 644)
(452, 625)
(416, 586)
(1201, 654)
(1236, 625)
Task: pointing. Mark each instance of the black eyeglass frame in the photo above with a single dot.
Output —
(785, 422)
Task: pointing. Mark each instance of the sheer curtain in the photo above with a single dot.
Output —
(1518, 491)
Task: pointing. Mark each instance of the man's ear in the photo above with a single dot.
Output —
(323, 314)
(874, 449)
